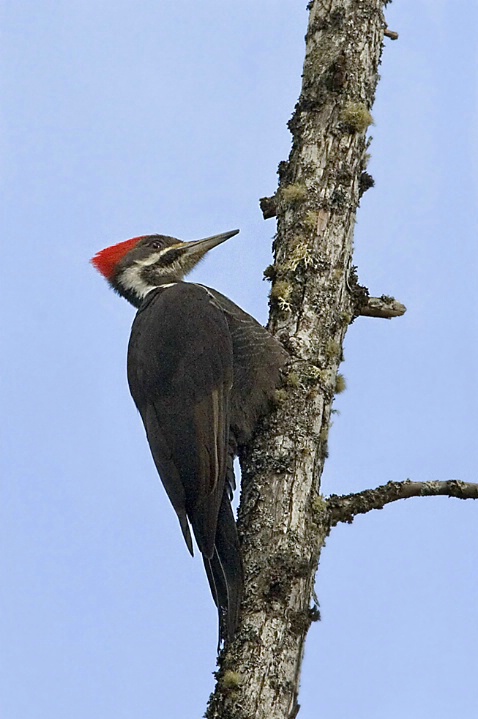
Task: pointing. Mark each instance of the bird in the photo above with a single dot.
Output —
(201, 372)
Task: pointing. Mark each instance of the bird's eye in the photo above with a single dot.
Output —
(156, 245)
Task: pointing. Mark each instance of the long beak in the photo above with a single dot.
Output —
(203, 246)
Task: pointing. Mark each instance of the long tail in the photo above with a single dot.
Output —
(225, 573)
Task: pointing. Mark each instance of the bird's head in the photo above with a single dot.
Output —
(135, 267)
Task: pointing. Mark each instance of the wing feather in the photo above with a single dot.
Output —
(180, 377)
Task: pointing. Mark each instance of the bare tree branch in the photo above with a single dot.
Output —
(345, 508)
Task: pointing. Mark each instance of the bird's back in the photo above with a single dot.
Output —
(257, 362)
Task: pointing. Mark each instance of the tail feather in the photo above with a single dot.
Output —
(225, 573)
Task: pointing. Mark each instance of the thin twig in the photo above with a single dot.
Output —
(345, 507)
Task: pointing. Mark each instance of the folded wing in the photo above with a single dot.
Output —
(180, 377)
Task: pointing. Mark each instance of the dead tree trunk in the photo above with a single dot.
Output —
(315, 295)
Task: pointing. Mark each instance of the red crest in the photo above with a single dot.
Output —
(107, 260)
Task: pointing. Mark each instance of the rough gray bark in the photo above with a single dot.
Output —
(314, 297)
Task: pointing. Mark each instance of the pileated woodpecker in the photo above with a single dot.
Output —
(201, 372)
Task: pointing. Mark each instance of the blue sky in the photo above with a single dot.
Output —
(123, 118)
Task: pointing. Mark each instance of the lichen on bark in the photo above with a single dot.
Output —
(281, 531)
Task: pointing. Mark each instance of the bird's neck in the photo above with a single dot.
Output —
(135, 288)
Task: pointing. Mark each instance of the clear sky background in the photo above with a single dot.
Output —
(123, 118)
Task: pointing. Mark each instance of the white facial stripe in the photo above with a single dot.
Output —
(151, 260)
(131, 280)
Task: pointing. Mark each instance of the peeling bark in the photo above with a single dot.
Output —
(281, 526)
